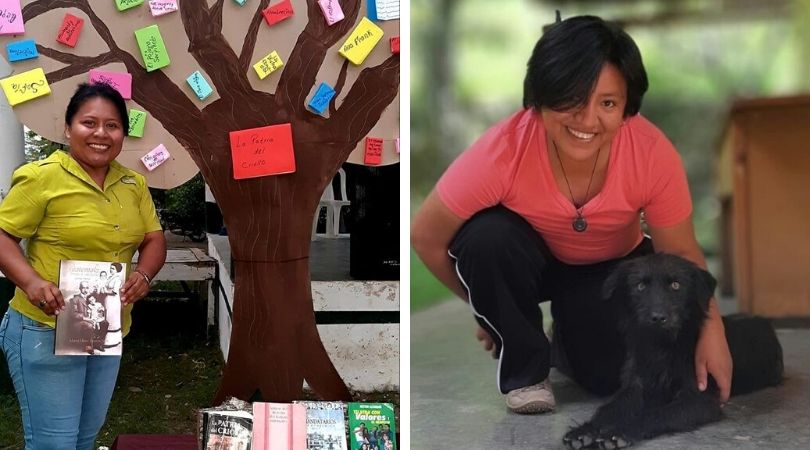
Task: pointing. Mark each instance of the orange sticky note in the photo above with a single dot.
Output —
(70, 29)
(373, 151)
(258, 152)
(278, 12)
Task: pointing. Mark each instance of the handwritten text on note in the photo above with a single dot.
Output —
(25, 86)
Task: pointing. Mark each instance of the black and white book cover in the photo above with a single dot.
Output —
(91, 322)
(326, 425)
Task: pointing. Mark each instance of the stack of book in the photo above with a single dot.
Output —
(301, 425)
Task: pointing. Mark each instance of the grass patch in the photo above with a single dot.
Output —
(426, 290)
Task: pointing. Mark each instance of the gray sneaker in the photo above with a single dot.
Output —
(534, 399)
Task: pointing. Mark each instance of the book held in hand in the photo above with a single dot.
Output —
(326, 425)
(91, 321)
(279, 426)
(372, 426)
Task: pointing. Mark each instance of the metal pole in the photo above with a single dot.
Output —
(12, 142)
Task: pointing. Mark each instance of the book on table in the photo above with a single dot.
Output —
(372, 426)
(279, 426)
(326, 425)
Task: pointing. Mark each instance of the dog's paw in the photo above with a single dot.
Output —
(613, 440)
(583, 436)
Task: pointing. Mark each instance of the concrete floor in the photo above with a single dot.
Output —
(455, 403)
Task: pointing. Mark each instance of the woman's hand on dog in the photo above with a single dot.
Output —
(713, 357)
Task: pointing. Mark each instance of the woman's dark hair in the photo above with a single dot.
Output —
(117, 266)
(86, 92)
(567, 60)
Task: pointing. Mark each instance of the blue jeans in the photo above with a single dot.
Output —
(63, 399)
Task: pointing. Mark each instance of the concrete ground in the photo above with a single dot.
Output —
(455, 403)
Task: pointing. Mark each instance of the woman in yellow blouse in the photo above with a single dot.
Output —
(79, 205)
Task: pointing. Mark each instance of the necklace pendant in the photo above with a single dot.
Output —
(580, 224)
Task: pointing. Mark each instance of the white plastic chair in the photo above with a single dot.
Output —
(333, 206)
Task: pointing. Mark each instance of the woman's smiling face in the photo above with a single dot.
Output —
(579, 132)
(95, 134)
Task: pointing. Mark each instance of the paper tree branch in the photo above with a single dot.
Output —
(366, 100)
(250, 37)
(77, 64)
(309, 53)
(341, 81)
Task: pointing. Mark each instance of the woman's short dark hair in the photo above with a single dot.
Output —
(87, 91)
(117, 266)
(566, 62)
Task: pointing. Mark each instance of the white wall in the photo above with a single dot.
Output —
(12, 150)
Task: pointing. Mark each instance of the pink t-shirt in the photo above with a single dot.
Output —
(509, 165)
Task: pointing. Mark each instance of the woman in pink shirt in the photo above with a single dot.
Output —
(548, 201)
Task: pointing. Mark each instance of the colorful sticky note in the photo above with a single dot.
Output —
(257, 152)
(362, 40)
(127, 4)
(153, 50)
(278, 12)
(25, 86)
(397, 146)
(321, 98)
(395, 44)
(121, 81)
(240, 2)
(331, 11)
(21, 50)
(137, 122)
(373, 151)
(11, 19)
(386, 9)
(371, 9)
(161, 7)
(70, 30)
(198, 84)
(156, 157)
(268, 64)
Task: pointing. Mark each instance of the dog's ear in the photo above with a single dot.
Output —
(615, 280)
(706, 283)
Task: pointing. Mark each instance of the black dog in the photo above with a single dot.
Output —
(664, 301)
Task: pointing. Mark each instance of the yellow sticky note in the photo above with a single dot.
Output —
(25, 86)
(361, 42)
(268, 64)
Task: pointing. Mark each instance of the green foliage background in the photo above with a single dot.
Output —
(697, 66)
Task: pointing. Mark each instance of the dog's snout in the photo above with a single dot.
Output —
(658, 317)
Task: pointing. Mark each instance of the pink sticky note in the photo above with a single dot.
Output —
(278, 12)
(373, 151)
(161, 7)
(121, 81)
(155, 158)
(331, 11)
(11, 19)
(397, 146)
(69, 30)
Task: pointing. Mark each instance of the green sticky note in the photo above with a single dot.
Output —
(153, 50)
(126, 4)
(137, 120)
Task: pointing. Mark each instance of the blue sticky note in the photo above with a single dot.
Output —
(371, 10)
(321, 98)
(198, 84)
(21, 50)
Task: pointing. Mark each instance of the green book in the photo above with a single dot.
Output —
(153, 50)
(372, 426)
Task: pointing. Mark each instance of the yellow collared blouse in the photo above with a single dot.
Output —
(65, 215)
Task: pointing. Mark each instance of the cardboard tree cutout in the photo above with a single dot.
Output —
(274, 343)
